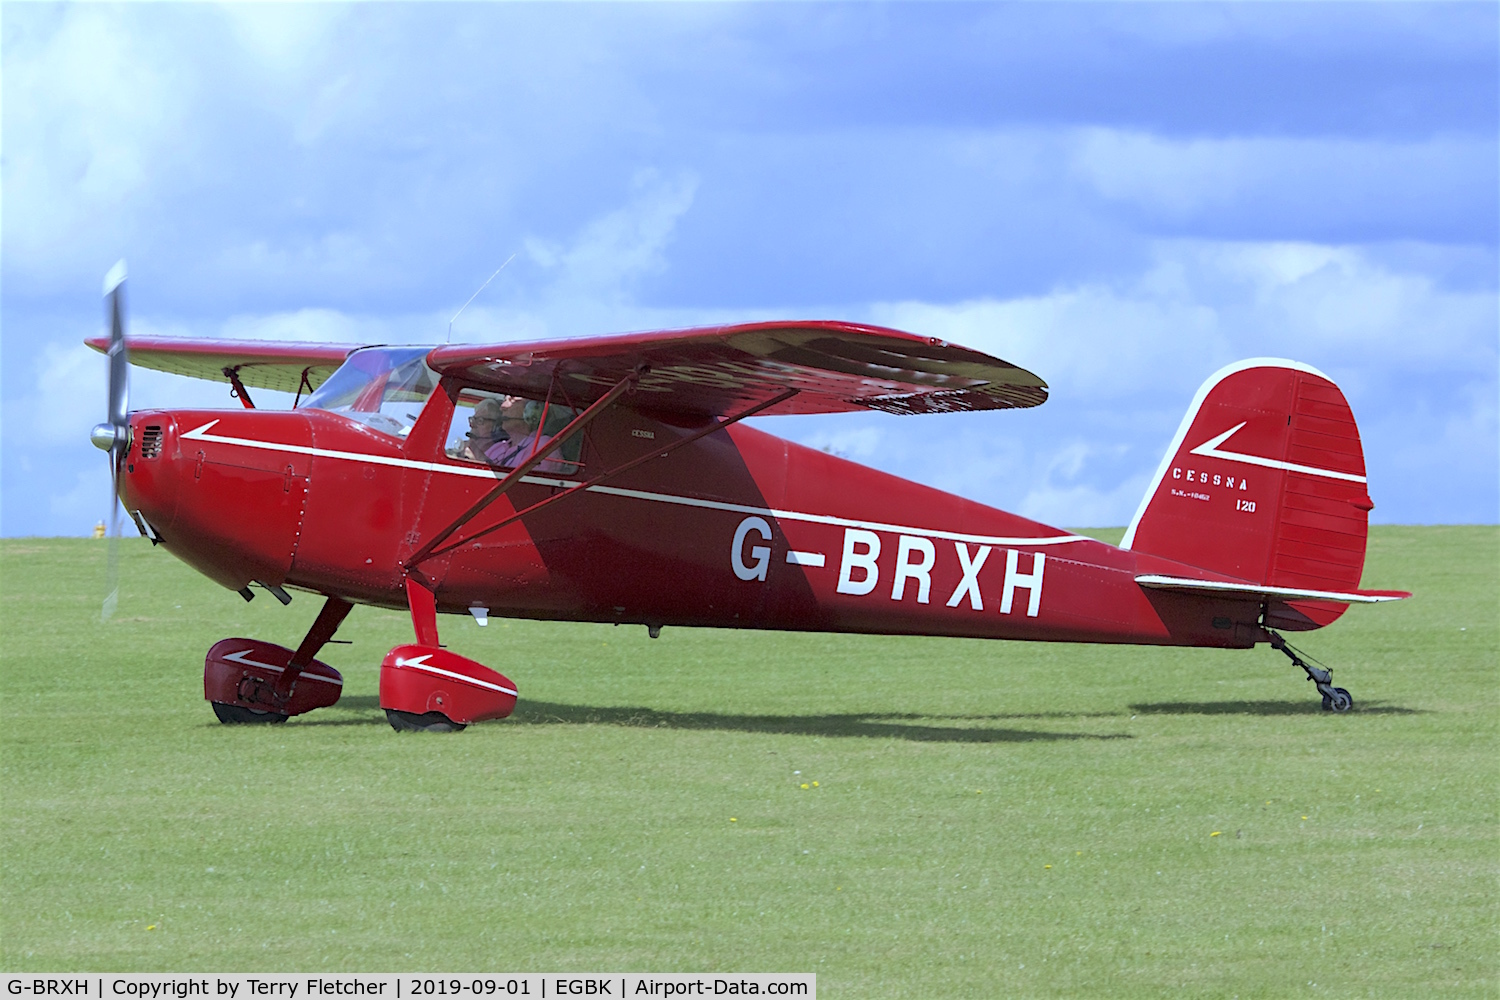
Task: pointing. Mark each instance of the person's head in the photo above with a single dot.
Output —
(484, 422)
(521, 414)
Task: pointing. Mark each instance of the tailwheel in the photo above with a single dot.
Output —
(427, 722)
(1337, 700)
(235, 715)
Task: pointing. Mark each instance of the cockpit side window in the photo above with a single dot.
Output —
(503, 431)
(383, 388)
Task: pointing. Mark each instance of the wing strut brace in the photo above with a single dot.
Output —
(238, 390)
(585, 487)
(514, 476)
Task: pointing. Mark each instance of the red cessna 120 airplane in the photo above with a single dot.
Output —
(610, 479)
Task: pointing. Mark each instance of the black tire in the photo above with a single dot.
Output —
(430, 722)
(237, 715)
(1341, 702)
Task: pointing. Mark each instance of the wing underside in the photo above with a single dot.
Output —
(833, 367)
(259, 364)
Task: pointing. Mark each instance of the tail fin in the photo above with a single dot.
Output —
(1265, 482)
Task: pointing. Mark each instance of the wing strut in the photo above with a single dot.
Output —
(303, 384)
(585, 487)
(514, 476)
(238, 390)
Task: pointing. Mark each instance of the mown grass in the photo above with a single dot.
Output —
(980, 818)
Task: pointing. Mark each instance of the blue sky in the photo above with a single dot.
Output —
(1121, 197)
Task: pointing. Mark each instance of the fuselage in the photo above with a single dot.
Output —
(738, 529)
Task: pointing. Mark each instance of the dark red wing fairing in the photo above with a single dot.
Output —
(716, 371)
(279, 365)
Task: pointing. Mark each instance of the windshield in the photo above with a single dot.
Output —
(382, 387)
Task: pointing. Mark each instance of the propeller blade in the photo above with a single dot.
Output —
(119, 356)
(112, 573)
(118, 425)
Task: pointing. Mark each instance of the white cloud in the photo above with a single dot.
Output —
(1098, 340)
(331, 256)
(1059, 496)
(1083, 506)
(86, 108)
(586, 286)
(1417, 360)
(1178, 178)
(616, 250)
(85, 501)
(287, 40)
(1202, 304)
(1338, 302)
(857, 443)
(330, 326)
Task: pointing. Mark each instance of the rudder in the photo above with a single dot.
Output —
(1265, 482)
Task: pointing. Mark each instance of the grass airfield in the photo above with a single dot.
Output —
(905, 817)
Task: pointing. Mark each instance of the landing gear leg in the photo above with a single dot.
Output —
(426, 688)
(1335, 699)
(335, 610)
(248, 681)
(423, 605)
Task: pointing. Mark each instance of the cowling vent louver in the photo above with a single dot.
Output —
(151, 441)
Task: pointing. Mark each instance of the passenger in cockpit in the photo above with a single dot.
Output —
(520, 422)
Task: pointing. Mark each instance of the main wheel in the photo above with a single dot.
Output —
(1340, 702)
(237, 715)
(428, 722)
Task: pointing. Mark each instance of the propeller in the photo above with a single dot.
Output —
(113, 435)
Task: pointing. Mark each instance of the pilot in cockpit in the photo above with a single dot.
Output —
(484, 432)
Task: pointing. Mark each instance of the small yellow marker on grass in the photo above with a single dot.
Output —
(734, 819)
(150, 927)
(1046, 866)
(1214, 834)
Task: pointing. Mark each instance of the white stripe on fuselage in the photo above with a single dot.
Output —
(201, 434)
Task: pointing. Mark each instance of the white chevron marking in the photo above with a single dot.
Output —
(1210, 449)
(420, 663)
(241, 657)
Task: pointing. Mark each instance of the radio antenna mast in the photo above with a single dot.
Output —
(476, 295)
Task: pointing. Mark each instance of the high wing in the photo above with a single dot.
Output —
(714, 371)
(709, 371)
(262, 364)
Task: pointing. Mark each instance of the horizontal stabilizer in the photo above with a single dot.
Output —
(1227, 588)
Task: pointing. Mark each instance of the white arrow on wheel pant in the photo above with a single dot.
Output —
(241, 657)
